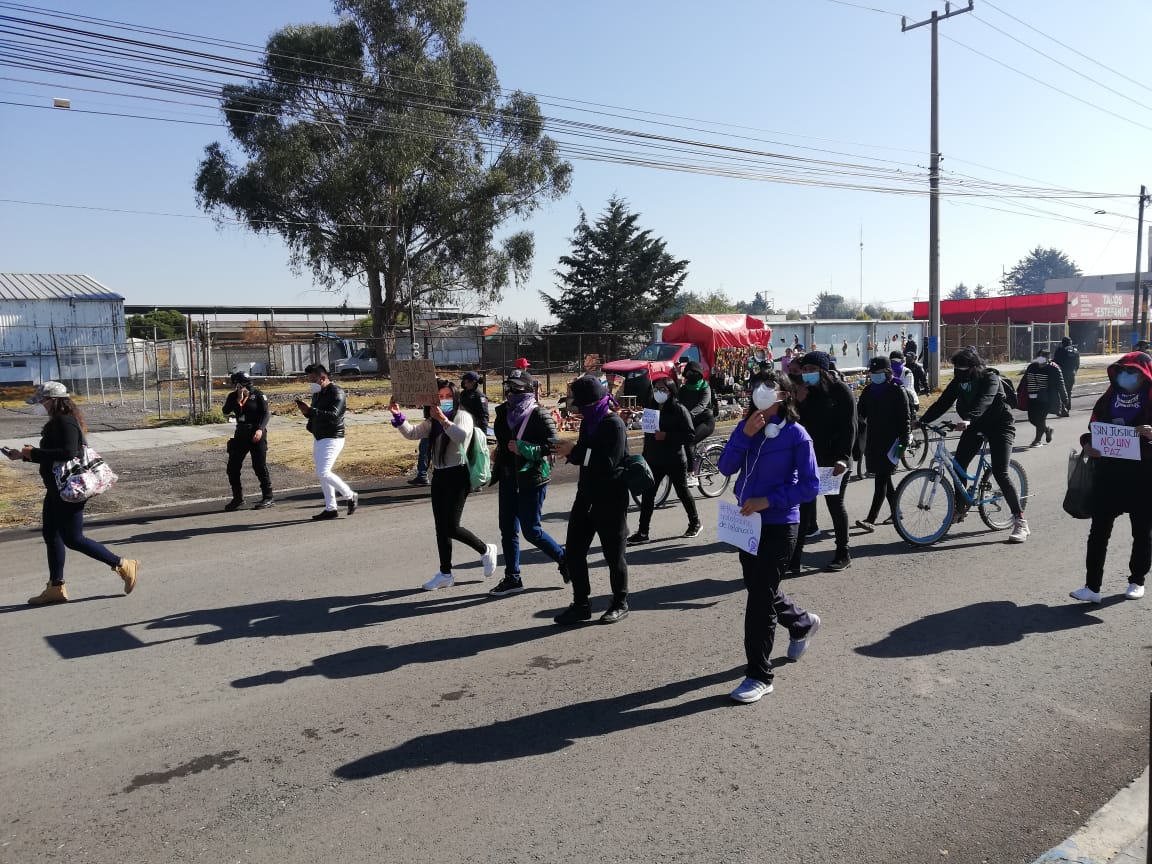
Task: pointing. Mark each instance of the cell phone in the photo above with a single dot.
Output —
(8, 451)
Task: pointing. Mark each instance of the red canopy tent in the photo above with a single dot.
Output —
(718, 331)
(1027, 309)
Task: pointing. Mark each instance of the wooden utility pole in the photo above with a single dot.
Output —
(933, 340)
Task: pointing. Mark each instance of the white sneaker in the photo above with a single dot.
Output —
(750, 690)
(1085, 594)
(440, 580)
(1020, 530)
(797, 647)
(488, 559)
(693, 482)
(1134, 592)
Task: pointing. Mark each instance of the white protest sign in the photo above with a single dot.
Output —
(1116, 442)
(743, 532)
(829, 483)
(650, 421)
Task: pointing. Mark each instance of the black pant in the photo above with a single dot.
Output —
(238, 448)
(1069, 383)
(704, 428)
(883, 469)
(605, 515)
(62, 526)
(766, 604)
(836, 510)
(450, 488)
(679, 477)
(1000, 443)
(1038, 415)
(1100, 533)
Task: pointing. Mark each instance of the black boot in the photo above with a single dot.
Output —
(234, 504)
(575, 614)
(842, 561)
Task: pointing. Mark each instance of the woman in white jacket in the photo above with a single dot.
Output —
(449, 431)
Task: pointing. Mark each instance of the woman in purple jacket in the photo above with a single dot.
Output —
(773, 456)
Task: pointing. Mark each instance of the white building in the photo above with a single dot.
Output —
(59, 327)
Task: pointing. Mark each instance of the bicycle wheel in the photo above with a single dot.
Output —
(662, 490)
(917, 450)
(713, 484)
(993, 508)
(924, 507)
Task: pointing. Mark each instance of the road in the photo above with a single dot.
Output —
(278, 691)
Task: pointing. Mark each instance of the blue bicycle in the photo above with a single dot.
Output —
(926, 499)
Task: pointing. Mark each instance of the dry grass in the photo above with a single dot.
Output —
(20, 494)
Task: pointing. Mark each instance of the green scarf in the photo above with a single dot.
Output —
(695, 385)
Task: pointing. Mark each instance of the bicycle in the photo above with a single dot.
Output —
(706, 469)
(925, 506)
(916, 452)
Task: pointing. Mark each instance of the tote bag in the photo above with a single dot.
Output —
(83, 478)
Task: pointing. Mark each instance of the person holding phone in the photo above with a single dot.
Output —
(775, 464)
(250, 408)
(326, 423)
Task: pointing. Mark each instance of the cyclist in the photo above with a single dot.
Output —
(978, 395)
(886, 415)
(696, 396)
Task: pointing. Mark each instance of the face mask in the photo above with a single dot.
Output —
(1040, 360)
(810, 378)
(795, 379)
(315, 388)
(447, 406)
(764, 397)
(1128, 380)
(661, 396)
(962, 373)
(879, 377)
(39, 410)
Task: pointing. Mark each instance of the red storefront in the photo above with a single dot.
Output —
(1029, 309)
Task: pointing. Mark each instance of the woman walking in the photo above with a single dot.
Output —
(885, 417)
(601, 505)
(1044, 384)
(664, 453)
(62, 522)
(1121, 486)
(776, 467)
(525, 438)
(449, 430)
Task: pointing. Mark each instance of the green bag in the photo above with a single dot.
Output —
(479, 460)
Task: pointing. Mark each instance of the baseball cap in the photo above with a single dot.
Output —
(48, 390)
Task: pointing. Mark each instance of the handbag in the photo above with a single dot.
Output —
(638, 475)
(84, 477)
(479, 460)
(1081, 486)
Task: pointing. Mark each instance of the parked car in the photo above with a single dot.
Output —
(363, 362)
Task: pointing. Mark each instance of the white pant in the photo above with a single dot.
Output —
(325, 452)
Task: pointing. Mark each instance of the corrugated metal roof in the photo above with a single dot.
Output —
(53, 286)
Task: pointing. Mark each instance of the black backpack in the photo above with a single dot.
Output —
(1007, 389)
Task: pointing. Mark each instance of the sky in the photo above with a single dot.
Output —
(784, 74)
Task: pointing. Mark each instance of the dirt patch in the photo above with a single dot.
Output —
(20, 494)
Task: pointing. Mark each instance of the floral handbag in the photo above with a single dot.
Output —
(83, 478)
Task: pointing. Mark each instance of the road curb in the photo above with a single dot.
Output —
(1111, 830)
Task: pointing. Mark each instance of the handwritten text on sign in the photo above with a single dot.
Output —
(743, 532)
(1116, 442)
(414, 382)
(650, 421)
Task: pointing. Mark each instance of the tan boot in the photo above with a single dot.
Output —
(127, 572)
(50, 594)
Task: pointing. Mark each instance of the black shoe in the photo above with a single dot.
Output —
(694, 530)
(638, 539)
(264, 503)
(418, 481)
(574, 614)
(233, 505)
(326, 514)
(562, 566)
(842, 561)
(617, 611)
(1048, 434)
(793, 569)
(508, 586)
(960, 515)
(353, 503)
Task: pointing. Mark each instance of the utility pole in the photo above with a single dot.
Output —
(933, 347)
(861, 266)
(1139, 310)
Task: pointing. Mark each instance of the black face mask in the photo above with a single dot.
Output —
(962, 373)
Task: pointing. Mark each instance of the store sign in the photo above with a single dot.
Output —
(1099, 307)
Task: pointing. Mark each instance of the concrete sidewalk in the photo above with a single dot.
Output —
(1117, 833)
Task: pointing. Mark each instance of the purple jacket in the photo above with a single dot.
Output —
(781, 469)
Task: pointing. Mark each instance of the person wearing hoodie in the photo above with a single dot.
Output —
(473, 400)
(903, 376)
(601, 505)
(664, 453)
(1044, 384)
(1067, 357)
(1121, 486)
(978, 395)
(827, 412)
(525, 437)
(886, 414)
(696, 396)
(775, 464)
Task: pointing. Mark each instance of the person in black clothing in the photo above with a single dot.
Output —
(1044, 385)
(696, 396)
(1068, 359)
(525, 436)
(976, 392)
(250, 408)
(326, 423)
(885, 412)
(664, 453)
(62, 522)
(919, 376)
(473, 400)
(827, 412)
(601, 505)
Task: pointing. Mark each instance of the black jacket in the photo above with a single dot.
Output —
(885, 417)
(250, 416)
(61, 439)
(828, 414)
(476, 404)
(541, 431)
(698, 403)
(676, 424)
(1067, 357)
(605, 452)
(326, 416)
(982, 403)
(1044, 382)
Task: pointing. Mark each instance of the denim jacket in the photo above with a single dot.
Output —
(781, 469)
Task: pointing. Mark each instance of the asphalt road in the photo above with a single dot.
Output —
(278, 691)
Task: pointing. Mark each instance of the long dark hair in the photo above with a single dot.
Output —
(673, 390)
(783, 385)
(63, 406)
(438, 438)
(967, 356)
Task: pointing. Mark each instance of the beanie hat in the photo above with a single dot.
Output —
(817, 358)
(588, 390)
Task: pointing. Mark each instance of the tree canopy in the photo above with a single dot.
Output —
(381, 148)
(833, 306)
(617, 276)
(691, 303)
(1039, 265)
(159, 324)
(960, 292)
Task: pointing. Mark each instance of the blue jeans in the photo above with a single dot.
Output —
(422, 458)
(520, 511)
(62, 525)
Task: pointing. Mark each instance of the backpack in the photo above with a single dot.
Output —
(637, 475)
(479, 460)
(1008, 391)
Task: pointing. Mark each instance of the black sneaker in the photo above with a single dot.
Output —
(1048, 434)
(842, 561)
(264, 503)
(562, 566)
(508, 585)
(353, 503)
(574, 614)
(233, 505)
(694, 530)
(617, 611)
(637, 539)
(326, 514)
(418, 481)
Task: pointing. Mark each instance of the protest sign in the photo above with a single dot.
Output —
(743, 532)
(1116, 442)
(650, 421)
(829, 483)
(414, 383)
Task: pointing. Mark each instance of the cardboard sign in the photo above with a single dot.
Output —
(414, 383)
(829, 483)
(743, 532)
(1116, 442)
(650, 421)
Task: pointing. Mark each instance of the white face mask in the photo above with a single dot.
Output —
(661, 396)
(314, 387)
(40, 410)
(1041, 360)
(764, 397)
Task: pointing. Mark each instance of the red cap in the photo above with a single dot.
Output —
(521, 363)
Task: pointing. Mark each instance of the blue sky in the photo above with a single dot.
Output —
(845, 78)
